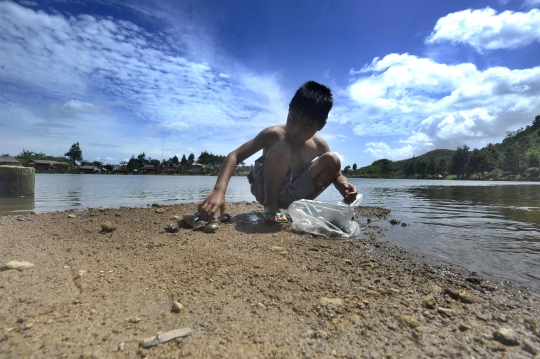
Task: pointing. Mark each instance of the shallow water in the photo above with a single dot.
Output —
(492, 228)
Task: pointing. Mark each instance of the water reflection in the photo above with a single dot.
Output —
(16, 205)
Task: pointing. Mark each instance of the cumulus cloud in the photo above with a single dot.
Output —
(427, 105)
(484, 29)
(119, 71)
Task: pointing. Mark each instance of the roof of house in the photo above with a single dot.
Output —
(89, 168)
(148, 167)
(8, 160)
(46, 162)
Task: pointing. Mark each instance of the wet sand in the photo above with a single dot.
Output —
(250, 290)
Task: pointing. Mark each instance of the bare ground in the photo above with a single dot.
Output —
(250, 290)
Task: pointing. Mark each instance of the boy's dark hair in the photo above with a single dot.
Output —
(314, 100)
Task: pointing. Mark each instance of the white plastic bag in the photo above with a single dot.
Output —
(327, 219)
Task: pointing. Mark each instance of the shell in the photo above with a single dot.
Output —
(191, 219)
(171, 228)
(226, 218)
(199, 225)
(211, 227)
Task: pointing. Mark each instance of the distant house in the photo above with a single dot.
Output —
(47, 165)
(197, 168)
(149, 168)
(10, 161)
(89, 169)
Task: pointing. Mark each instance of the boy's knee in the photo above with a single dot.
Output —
(279, 149)
(331, 161)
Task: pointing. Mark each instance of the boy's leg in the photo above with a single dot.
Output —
(324, 170)
(276, 165)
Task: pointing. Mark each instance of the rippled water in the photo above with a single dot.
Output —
(492, 228)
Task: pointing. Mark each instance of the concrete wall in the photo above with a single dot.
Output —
(17, 181)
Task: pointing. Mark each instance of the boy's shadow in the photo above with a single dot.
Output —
(253, 224)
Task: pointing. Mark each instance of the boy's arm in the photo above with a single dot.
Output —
(347, 190)
(216, 199)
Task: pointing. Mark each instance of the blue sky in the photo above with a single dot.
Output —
(181, 77)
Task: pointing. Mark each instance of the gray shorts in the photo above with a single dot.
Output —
(292, 189)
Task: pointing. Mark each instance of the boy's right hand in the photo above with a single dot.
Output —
(209, 206)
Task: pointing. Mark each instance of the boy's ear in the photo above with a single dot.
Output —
(321, 126)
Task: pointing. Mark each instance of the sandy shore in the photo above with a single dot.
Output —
(250, 290)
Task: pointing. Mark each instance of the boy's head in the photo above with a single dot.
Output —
(314, 100)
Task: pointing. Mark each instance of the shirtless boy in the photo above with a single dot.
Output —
(287, 171)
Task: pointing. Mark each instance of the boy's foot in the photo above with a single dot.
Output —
(274, 217)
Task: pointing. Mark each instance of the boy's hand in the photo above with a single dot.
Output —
(348, 191)
(209, 206)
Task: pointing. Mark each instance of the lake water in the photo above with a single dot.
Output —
(492, 228)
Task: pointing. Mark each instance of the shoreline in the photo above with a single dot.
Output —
(251, 289)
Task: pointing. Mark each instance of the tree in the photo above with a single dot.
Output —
(74, 153)
(191, 158)
(183, 161)
(460, 161)
(346, 170)
(536, 122)
(141, 160)
(432, 167)
(354, 167)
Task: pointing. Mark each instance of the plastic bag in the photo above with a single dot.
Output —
(327, 219)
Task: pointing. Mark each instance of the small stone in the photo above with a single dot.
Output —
(160, 210)
(156, 205)
(436, 288)
(134, 319)
(175, 217)
(408, 321)
(464, 327)
(20, 266)
(331, 301)
(121, 347)
(149, 342)
(173, 334)
(107, 227)
(342, 324)
(177, 307)
(462, 296)
(276, 249)
(445, 312)
(429, 303)
(372, 292)
(348, 261)
(81, 273)
(529, 347)
(72, 216)
(506, 336)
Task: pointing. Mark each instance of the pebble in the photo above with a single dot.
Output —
(506, 336)
(429, 303)
(156, 205)
(409, 321)
(177, 307)
(445, 312)
(72, 216)
(121, 347)
(160, 210)
(529, 347)
(462, 296)
(331, 301)
(20, 266)
(173, 334)
(107, 227)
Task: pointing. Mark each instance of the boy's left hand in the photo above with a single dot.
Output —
(348, 191)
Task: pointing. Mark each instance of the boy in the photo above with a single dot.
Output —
(286, 171)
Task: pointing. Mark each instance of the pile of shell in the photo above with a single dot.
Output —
(196, 223)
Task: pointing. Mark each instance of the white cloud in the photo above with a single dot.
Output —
(117, 70)
(486, 30)
(429, 105)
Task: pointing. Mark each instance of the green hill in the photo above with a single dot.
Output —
(516, 158)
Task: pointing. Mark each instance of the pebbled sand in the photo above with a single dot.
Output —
(250, 290)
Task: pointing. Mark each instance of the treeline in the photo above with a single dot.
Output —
(517, 157)
(211, 164)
